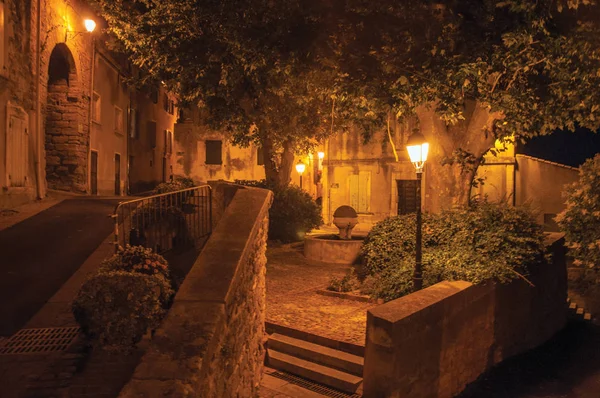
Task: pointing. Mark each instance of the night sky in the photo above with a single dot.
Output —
(570, 148)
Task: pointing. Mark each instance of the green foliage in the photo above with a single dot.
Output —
(347, 283)
(137, 259)
(127, 296)
(177, 184)
(485, 241)
(581, 218)
(293, 212)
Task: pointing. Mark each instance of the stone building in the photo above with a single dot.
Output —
(68, 121)
(206, 155)
(151, 139)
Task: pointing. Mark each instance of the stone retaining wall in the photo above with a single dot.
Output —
(434, 342)
(211, 342)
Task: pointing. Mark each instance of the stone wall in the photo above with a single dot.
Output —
(434, 342)
(211, 342)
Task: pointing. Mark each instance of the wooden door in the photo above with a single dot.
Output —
(117, 174)
(94, 173)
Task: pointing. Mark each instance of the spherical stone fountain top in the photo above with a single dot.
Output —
(345, 218)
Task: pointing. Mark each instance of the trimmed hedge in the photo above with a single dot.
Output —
(486, 241)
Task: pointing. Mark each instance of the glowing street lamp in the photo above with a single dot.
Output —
(418, 148)
(300, 167)
(90, 25)
(321, 155)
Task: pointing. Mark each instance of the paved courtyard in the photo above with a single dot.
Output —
(292, 300)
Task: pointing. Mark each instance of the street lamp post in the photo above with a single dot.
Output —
(418, 148)
(300, 167)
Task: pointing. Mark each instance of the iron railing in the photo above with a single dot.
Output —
(173, 220)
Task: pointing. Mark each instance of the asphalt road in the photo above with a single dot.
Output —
(568, 366)
(40, 253)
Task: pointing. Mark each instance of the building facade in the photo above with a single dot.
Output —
(68, 120)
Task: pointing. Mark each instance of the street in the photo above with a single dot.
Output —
(40, 253)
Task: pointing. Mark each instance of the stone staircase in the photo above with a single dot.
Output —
(318, 363)
(578, 313)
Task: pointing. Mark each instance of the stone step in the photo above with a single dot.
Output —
(587, 316)
(312, 371)
(317, 353)
(579, 311)
(573, 306)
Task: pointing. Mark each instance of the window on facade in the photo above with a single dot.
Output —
(168, 142)
(151, 134)
(260, 156)
(118, 120)
(166, 102)
(407, 196)
(96, 107)
(154, 95)
(133, 124)
(360, 191)
(213, 152)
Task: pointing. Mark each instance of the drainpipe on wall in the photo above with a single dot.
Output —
(38, 104)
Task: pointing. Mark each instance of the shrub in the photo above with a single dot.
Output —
(137, 259)
(485, 241)
(116, 308)
(129, 294)
(177, 184)
(347, 283)
(293, 212)
(580, 220)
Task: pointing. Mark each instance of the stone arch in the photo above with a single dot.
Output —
(65, 139)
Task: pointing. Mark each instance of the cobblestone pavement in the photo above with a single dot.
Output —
(292, 282)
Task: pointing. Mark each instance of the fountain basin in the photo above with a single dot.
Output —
(331, 249)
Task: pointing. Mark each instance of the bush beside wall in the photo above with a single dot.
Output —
(211, 342)
(434, 342)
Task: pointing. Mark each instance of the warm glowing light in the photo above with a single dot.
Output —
(90, 25)
(321, 155)
(300, 167)
(418, 148)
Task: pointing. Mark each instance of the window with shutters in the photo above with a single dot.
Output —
(168, 142)
(407, 196)
(16, 150)
(260, 156)
(213, 152)
(118, 120)
(360, 191)
(151, 134)
(2, 38)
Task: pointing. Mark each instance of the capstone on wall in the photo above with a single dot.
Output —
(211, 344)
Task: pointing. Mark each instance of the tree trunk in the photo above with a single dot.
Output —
(449, 185)
(278, 166)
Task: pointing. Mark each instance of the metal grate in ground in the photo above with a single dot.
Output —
(312, 386)
(36, 341)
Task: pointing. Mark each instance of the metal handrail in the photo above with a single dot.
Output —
(192, 206)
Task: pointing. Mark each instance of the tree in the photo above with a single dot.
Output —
(256, 68)
(581, 218)
(472, 72)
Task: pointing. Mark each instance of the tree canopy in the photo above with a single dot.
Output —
(286, 74)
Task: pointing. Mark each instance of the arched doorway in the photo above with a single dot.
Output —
(65, 139)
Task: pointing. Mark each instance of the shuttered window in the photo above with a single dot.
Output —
(16, 152)
(213, 152)
(360, 191)
(407, 196)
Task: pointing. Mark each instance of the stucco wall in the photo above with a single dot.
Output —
(190, 143)
(346, 155)
(434, 342)
(146, 171)
(211, 342)
(540, 184)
